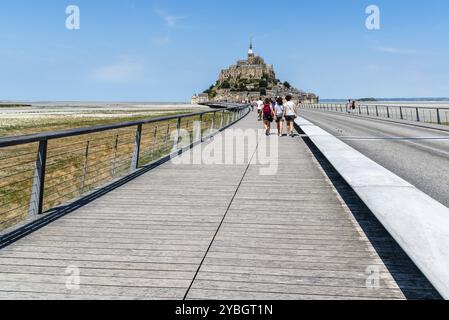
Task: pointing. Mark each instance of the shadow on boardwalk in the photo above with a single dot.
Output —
(408, 277)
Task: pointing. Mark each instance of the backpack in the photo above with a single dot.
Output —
(267, 110)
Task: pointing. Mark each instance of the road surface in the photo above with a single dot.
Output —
(418, 155)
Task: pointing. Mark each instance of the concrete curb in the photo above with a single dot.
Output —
(418, 223)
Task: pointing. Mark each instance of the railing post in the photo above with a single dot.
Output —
(167, 136)
(377, 111)
(85, 168)
(37, 193)
(360, 110)
(212, 127)
(114, 162)
(178, 133)
(367, 110)
(438, 116)
(154, 143)
(402, 114)
(222, 119)
(136, 153)
(417, 115)
(388, 112)
(201, 127)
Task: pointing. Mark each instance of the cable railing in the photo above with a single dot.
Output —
(44, 171)
(435, 115)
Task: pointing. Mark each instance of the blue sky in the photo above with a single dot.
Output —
(166, 50)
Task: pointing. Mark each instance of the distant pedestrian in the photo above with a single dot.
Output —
(259, 108)
(353, 105)
(253, 105)
(290, 115)
(268, 116)
(279, 111)
(348, 106)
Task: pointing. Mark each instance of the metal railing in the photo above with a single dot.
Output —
(43, 171)
(429, 114)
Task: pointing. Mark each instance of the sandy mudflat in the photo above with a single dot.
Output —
(92, 110)
(56, 116)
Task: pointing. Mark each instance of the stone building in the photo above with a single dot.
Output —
(252, 68)
(200, 98)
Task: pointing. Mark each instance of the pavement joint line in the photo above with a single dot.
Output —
(392, 138)
(224, 218)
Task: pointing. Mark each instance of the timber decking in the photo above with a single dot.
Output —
(212, 232)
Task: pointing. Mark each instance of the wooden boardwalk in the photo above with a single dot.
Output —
(212, 232)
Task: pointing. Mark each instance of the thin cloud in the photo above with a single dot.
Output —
(125, 70)
(394, 50)
(162, 40)
(170, 21)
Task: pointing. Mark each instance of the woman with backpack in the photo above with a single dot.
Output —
(290, 115)
(279, 111)
(268, 116)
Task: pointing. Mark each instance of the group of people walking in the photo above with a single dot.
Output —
(275, 110)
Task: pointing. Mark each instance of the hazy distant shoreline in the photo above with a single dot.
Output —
(89, 103)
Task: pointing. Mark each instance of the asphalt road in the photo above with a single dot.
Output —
(418, 155)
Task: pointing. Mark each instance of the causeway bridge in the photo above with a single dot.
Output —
(126, 212)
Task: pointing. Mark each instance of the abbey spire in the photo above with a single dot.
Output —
(251, 51)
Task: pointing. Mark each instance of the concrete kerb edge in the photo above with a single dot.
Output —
(406, 220)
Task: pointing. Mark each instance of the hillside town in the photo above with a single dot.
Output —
(248, 80)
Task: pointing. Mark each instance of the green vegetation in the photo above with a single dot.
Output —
(260, 85)
(211, 92)
(225, 85)
(263, 83)
(367, 100)
(14, 105)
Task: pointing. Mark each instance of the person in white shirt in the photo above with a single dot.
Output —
(259, 108)
(279, 112)
(290, 114)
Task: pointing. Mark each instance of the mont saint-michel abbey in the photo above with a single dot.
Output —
(252, 68)
(248, 80)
